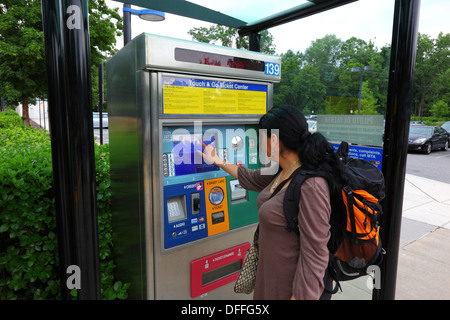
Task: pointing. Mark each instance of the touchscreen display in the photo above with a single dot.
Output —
(186, 156)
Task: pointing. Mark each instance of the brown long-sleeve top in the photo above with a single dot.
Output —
(290, 265)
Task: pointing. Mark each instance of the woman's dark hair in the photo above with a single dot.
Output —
(314, 150)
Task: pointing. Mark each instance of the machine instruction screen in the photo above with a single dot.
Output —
(187, 157)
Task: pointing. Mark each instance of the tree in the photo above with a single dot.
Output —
(22, 54)
(310, 92)
(333, 60)
(439, 109)
(229, 37)
(291, 63)
(105, 24)
(431, 73)
(368, 101)
(323, 54)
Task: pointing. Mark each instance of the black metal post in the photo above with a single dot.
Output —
(398, 113)
(255, 42)
(100, 99)
(67, 48)
(126, 25)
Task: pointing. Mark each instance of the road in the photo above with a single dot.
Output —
(435, 166)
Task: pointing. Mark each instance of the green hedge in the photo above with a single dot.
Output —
(28, 242)
(10, 119)
(431, 121)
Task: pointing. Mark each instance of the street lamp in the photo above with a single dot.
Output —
(144, 14)
(365, 68)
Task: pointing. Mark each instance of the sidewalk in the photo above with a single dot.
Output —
(424, 257)
(41, 123)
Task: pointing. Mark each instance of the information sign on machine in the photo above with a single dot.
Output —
(202, 96)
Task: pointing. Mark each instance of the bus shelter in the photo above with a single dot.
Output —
(66, 34)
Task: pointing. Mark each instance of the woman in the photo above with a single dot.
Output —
(290, 267)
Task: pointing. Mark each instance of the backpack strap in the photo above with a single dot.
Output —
(290, 209)
(347, 190)
(292, 197)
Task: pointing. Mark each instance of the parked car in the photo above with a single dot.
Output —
(427, 138)
(312, 126)
(446, 126)
(96, 118)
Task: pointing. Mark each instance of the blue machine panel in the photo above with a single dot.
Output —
(184, 215)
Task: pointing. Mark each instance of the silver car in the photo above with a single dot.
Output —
(446, 126)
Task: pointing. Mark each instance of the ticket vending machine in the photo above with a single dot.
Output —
(182, 226)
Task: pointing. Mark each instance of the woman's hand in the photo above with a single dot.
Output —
(210, 155)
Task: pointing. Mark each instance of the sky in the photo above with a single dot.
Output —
(365, 19)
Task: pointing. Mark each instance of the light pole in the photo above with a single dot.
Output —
(361, 69)
(145, 14)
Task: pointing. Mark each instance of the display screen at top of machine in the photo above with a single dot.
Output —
(218, 60)
(187, 156)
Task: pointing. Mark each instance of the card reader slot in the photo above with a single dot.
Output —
(195, 203)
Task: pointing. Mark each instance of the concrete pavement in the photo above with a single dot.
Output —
(424, 257)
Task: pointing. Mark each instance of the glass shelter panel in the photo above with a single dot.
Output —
(339, 78)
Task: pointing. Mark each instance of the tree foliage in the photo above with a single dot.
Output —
(229, 37)
(333, 60)
(321, 80)
(432, 75)
(22, 53)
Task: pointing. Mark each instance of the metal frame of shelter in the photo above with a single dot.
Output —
(66, 34)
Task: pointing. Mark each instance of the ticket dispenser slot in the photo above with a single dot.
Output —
(238, 194)
(217, 217)
(216, 270)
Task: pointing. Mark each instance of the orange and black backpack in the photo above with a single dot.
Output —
(355, 242)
